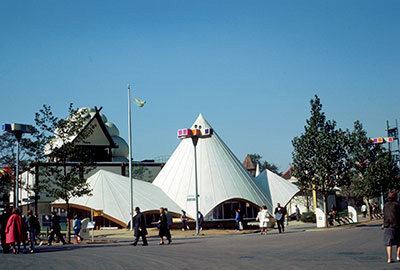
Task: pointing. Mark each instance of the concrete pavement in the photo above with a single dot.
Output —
(351, 247)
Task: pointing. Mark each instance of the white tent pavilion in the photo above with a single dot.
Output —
(276, 189)
(110, 194)
(221, 176)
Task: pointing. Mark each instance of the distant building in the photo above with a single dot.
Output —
(109, 152)
(250, 165)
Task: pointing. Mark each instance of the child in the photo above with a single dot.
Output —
(77, 228)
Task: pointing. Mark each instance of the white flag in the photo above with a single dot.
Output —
(139, 102)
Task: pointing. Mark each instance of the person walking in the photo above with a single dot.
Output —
(77, 225)
(37, 231)
(298, 215)
(55, 229)
(280, 213)
(364, 210)
(184, 221)
(374, 209)
(164, 230)
(239, 220)
(3, 224)
(334, 215)
(32, 230)
(140, 228)
(15, 231)
(169, 218)
(262, 217)
(201, 219)
(391, 226)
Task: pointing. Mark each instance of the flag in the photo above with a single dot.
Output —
(139, 102)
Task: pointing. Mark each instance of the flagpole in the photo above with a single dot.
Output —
(130, 154)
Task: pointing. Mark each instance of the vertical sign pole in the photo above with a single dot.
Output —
(16, 202)
(195, 140)
(130, 154)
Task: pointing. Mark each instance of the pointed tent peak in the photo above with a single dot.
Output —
(275, 187)
(258, 170)
(201, 123)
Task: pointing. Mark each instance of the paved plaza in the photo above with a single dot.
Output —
(349, 247)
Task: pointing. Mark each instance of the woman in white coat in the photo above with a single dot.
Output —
(262, 217)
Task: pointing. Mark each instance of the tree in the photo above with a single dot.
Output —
(8, 148)
(6, 180)
(58, 141)
(319, 155)
(264, 164)
(374, 169)
(140, 171)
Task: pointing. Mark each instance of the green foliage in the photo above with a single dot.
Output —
(319, 155)
(265, 164)
(6, 179)
(308, 217)
(328, 157)
(380, 175)
(373, 167)
(58, 140)
(139, 172)
(8, 149)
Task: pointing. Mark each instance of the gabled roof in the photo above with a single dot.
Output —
(288, 174)
(99, 135)
(111, 195)
(221, 176)
(275, 188)
(249, 164)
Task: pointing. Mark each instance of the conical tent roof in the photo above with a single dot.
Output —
(110, 194)
(221, 176)
(276, 189)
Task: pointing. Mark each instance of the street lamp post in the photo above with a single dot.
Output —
(17, 130)
(195, 134)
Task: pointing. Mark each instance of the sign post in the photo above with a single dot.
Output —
(195, 134)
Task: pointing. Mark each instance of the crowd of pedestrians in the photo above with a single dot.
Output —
(17, 230)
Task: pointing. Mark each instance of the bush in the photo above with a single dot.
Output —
(308, 217)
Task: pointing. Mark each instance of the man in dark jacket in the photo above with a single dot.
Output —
(55, 229)
(140, 228)
(391, 226)
(280, 213)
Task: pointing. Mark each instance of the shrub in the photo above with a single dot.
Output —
(308, 217)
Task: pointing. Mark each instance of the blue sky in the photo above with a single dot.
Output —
(250, 67)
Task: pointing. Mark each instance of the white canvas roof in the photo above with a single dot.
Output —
(276, 189)
(111, 195)
(221, 176)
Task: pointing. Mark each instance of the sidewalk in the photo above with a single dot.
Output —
(294, 226)
(125, 234)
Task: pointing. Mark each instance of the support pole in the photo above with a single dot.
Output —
(91, 218)
(130, 155)
(16, 202)
(195, 140)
